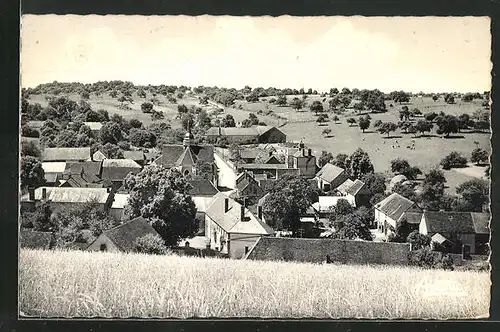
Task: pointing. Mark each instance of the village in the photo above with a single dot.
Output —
(246, 191)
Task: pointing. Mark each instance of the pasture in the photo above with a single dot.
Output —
(85, 284)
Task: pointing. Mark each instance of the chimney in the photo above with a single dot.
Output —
(220, 131)
(44, 193)
(309, 152)
(259, 211)
(31, 192)
(242, 214)
(226, 204)
(186, 244)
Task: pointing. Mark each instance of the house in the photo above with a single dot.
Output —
(98, 156)
(118, 205)
(122, 238)
(247, 187)
(251, 135)
(330, 177)
(457, 229)
(65, 154)
(355, 190)
(323, 208)
(95, 127)
(303, 160)
(231, 228)
(413, 219)
(202, 193)
(390, 210)
(189, 159)
(84, 174)
(53, 172)
(116, 170)
(35, 240)
(63, 198)
(329, 250)
(138, 156)
(88, 167)
(271, 171)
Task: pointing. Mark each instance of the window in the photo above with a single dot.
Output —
(186, 172)
(246, 250)
(103, 247)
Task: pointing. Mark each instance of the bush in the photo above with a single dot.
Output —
(453, 160)
(423, 257)
(150, 244)
(418, 241)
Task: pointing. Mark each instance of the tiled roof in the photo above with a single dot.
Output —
(66, 154)
(171, 154)
(344, 187)
(98, 156)
(83, 181)
(125, 235)
(356, 186)
(202, 187)
(263, 166)
(439, 238)
(329, 172)
(134, 155)
(253, 131)
(413, 217)
(70, 195)
(51, 177)
(35, 240)
(230, 221)
(249, 154)
(341, 251)
(394, 206)
(118, 169)
(89, 167)
(54, 166)
(449, 222)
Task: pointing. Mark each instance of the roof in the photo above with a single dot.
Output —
(481, 222)
(394, 206)
(449, 222)
(413, 217)
(316, 251)
(134, 155)
(118, 169)
(93, 125)
(98, 156)
(51, 177)
(329, 172)
(262, 166)
(34, 239)
(326, 202)
(439, 238)
(345, 186)
(230, 221)
(124, 235)
(89, 167)
(70, 195)
(66, 154)
(174, 154)
(356, 186)
(83, 180)
(120, 201)
(36, 124)
(239, 131)
(249, 154)
(54, 166)
(202, 187)
(202, 203)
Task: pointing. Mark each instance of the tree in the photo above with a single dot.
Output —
(464, 121)
(402, 231)
(326, 132)
(453, 160)
(364, 123)
(297, 104)
(66, 139)
(415, 112)
(341, 160)
(161, 196)
(387, 128)
(479, 156)
(142, 138)
(405, 190)
(316, 107)
(31, 172)
(281, 101)
(449, 99)
(401, 166)
(447, 124)
(359, 164)
(333, 92)
(435, 98)
(400, 97)
(375, 183)
(110, 133)
(150, 244)
(351, 121)
(325, 158)
(335, 118)
(417, 240)
(228, 121)
(377, 123)
(474, 193)
(351, 227)
(289, 197)
(432, 193)
(430, 116)
(40, 219)
(147, 107)
(30, 148)
(111, 151)
(423, 126)
(134, 123)
(187, 122)
(113, 93)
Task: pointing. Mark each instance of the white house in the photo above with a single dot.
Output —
(390, 210)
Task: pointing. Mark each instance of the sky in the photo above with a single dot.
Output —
(430, 54)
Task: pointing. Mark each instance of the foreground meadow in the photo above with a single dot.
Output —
(84, 284)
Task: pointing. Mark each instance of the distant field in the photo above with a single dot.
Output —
(84, 284)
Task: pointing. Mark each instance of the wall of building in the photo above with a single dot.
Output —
(306, 165)
(226, 176)
(103, 239)
(116, 213)
(216, 235)
(273, 136)
(238, 242)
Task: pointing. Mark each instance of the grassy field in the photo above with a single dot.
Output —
(84, 284)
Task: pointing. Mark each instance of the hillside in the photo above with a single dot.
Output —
(134, 285)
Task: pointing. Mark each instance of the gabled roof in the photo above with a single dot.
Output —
(66, 154)
(413, 218)
(134, 155)
(272, 160)
(186, 158)
(120, 201)
(253, 131)
(249, 154)
(481, 222)
(89, 167)
(35, 240)
(54, 166)
(202, 202)
(172, 153)
(202, 187)
(329, 172)
(394, 206)
(263, 166)
(124, 235)
(99, 156)
(51, 177)
(356, 187)
(83, 181)
(345, 186)
(93, 125)
(439, 238)
(118, 169)
(70, 195)
(325, 203)
(36, 124)
(230, 221)
(449, 222)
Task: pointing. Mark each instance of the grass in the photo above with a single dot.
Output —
(85, 284)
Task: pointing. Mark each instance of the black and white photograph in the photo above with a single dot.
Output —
(285, 167)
